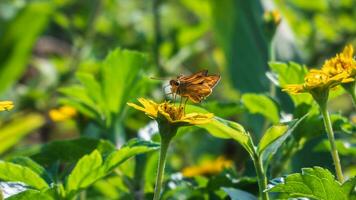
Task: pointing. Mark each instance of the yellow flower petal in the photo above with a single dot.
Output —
(62, 114)
(6, 105)
(171, 113)
(210, 167)
(149, 107)
(294, 88)
(343, 62)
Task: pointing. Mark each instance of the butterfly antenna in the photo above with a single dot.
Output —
(159, 78)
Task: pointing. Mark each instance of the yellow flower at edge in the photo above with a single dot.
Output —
(6, 105)
(342, 63)
(171, 113)
(317, 80)
(210, 167)
(63, 113)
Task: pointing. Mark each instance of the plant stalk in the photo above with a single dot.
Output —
(161, 166)
(330, 133)
(261, 176)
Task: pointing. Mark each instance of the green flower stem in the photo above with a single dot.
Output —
(351, 89)
(261, 176)
(161, 165)
(330, 132)
(353, 95)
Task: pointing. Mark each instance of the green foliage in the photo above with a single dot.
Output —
(15, 172)
(236, 194)
(30, 194)
(262, 104)
(91, 168)
(344, 147)
(68, 151)
(222, 128)
(315, 183)
(274, 137)
(291, 73)
(238, 25)
(11, 133)
(103, 98)
(15, 46)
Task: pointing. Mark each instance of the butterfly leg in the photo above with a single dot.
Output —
(181, 101)
(185, 103)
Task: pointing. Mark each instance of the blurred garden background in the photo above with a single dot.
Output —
(67, 67)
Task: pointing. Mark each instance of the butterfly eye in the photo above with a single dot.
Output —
(173, 82)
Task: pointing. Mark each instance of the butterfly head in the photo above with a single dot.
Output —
(174, 85)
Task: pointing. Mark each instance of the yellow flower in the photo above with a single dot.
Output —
(317, 80)
(6, 105)
(274, 16)
(210, 167)
(342, 63)
(63, 113)
(169, 112)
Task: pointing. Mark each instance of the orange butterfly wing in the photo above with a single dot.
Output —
(197, 93)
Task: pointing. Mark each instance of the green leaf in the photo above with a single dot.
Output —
(16, 46)
(225, 129)
(271, 135)
(291, 73)
(11, 133)
(274, 138)
(92, 167)
(30, 194)
(15, 172)
(349, 188)
(27, 162)
(86, 171)
(314, 183)
(79, 94)
(262, 104)
(236, 194)
(119, 74)
(238, 28)
(71, 150)
(222, 128)
(130, 149)
(344, 147)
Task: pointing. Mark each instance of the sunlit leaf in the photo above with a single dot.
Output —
(119, 73)
(261, 104)
(92, 167)
(87, 171)
(222, 128)
(30, 194)
(274, 138)
(27, 162)
(12, 132)
(314, 183)
(291, 73)
(14, 172)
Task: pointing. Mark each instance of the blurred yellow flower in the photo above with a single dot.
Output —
(210, 167)
(6, 105)
(342, 63)
(317, 80)
(171, 113)
(63, 113)
(273, 16)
